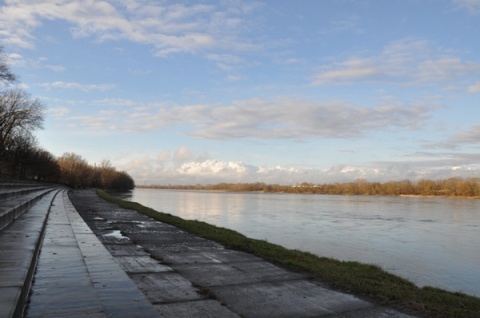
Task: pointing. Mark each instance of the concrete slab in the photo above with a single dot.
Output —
(104, 225)
(299, 298)
(120, 215)
(22, 237)
(202, 308)
(163, 251)
(54, 255)
(90, 239)
(166, 287)
(124, 302)
(147, 226)
(13, 276)
(126, 250)
(27, 223)
(141, 264)
(11, 240)
(74, 275)
(51, 300)
(15, 258)
(374, 312)
(215, 256)
(234, 273)
(80, 228)
(168, 238)
(9, 295)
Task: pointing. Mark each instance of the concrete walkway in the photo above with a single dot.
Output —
(183, 275)
(76, 276)
(22, 224)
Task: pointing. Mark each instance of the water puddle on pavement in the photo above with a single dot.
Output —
(116, 234)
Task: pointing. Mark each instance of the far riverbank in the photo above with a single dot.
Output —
(449, 188)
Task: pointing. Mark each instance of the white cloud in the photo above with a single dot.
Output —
(213, 167)
(297, 118)
(444, 69)
(348, 23)
(90, 123)
(347, 71)
(280, 118)
(16, 59)
(183, 154)
(474, 88)
(77, 86)
(184, 166)
(164, 170)
(467, 137)
(402, 62)
(115, 102)
(226, 62)
(472, 6)
(58, 112)
(55, 68)
(169, 27)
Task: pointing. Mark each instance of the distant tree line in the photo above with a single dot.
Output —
(456, 187)
(22, 158)
(76, 172)
(70, 169)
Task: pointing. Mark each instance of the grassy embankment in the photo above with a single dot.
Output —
(362, 279)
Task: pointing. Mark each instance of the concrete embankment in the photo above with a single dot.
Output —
(92, 258)
(187, 276)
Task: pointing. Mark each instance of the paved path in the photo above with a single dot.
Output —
(22, 224)
(183, 275)
(76, 276)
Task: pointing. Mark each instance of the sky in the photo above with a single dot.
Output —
(276, 91)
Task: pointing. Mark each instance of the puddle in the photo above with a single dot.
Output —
(116, 234)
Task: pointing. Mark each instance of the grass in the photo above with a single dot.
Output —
(361, 279)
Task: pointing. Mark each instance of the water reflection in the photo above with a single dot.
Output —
(431, 241)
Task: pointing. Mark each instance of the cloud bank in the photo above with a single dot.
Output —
(280, 118)
(77, 86)
(169, 27)
(165, 168)
(405, 62)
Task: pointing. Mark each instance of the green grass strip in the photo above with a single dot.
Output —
(361, 279)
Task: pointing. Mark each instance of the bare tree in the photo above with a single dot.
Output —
(43, 166)
(75, 171)
(6, 76)
(107, 174)
(19, 115)
(20, 154)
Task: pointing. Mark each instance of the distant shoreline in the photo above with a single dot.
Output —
(246, 188)
(439, 196)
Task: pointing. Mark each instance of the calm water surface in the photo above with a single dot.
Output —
(430, 241)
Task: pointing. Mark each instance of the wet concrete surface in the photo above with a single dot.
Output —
(19, 246)
(183, 275)
(77, 277)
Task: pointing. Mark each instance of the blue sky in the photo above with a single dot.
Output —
(186, 92)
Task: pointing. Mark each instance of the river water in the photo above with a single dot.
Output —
(430, 241)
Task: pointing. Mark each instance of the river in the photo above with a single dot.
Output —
(430, 241)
